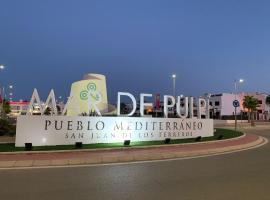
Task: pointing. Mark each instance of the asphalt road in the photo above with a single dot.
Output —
(243, 175)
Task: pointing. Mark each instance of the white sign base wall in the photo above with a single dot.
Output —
(64, 130)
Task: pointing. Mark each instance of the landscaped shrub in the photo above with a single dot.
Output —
(232, 117)
(220, 137)
(6, 128)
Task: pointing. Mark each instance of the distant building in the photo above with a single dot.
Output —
(263, 110)
(18, 108)
(221, 106)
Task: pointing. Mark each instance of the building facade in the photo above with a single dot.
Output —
(221, 106)
(18, 108)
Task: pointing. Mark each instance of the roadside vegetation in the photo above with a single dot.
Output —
(251, 104)
(7, 128)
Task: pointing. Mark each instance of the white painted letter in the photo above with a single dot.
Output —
(191, 113)
(207, 113)
(142, 104)
(178, 107)
(119, 103)
(51, 98)
(166, 104)
(34, 98)
(199, 107)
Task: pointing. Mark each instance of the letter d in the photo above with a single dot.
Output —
(119, 103)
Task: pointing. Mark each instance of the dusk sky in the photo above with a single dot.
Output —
(136, 44)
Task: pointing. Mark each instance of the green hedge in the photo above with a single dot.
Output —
(231, 117)
(6, 128)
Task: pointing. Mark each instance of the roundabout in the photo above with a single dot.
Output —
(133, 154)
(237, 175)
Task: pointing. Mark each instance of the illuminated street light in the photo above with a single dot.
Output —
(10, 92)
(174, 79)
(2, 90)
(236, 83)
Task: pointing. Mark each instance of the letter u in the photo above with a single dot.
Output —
(61, 125)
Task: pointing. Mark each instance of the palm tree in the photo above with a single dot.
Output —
(251, 104)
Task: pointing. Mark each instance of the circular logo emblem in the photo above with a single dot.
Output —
(84, 95)
(91, 93)
(91, 87)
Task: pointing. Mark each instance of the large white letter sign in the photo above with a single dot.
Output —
(51, 98)
(200, 104)
(61, 130)
(34, 99)
(119, 103)
(167, 105)
(143, 104)
(191, 107)
(178, 107)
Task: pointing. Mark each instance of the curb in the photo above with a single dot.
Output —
(120, 148)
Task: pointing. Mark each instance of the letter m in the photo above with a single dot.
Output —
(35, 102)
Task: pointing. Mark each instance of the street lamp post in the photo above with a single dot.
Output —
(207, 98)
(60, 98)
(10, 92)
(174, 79)
(236, 82)
(174, 93)
(2, 67)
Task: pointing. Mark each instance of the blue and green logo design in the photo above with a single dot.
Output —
(90, 92)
